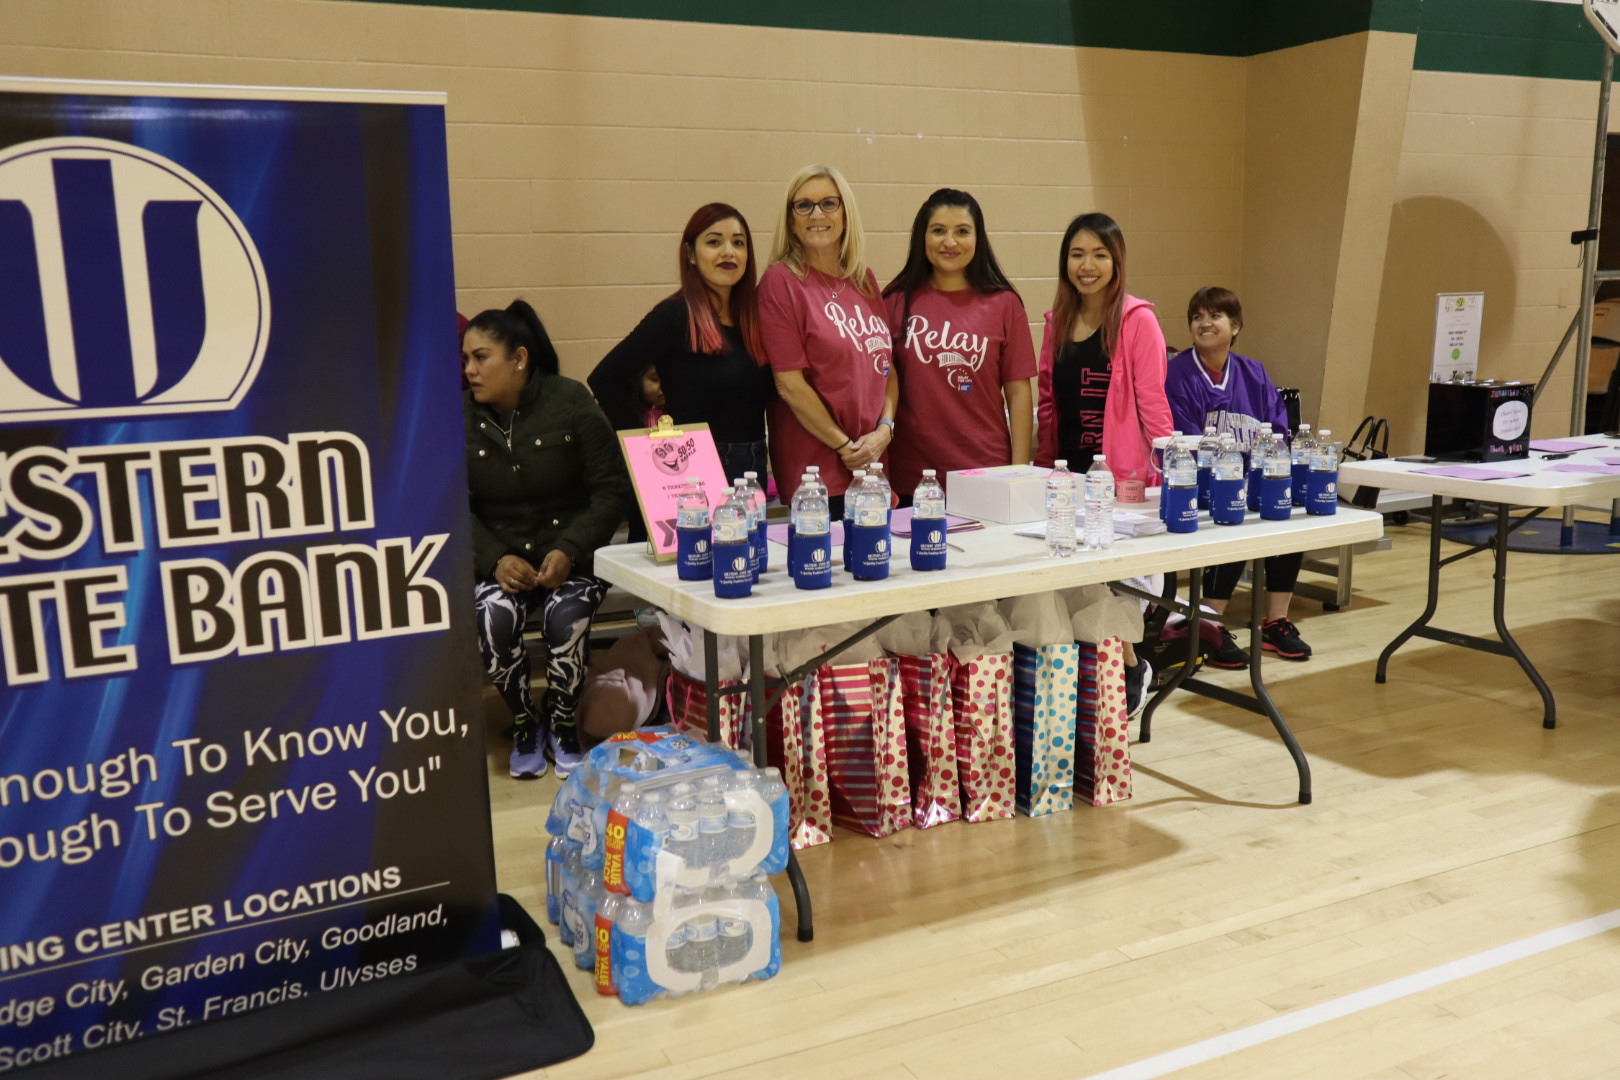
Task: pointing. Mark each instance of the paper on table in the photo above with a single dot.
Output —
(1126, 523)
(1610, 460)
(900, 523)
(1470, 472)
(1563, 446)
(777, 534)
(1575, 467)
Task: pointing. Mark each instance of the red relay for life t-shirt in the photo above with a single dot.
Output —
(839, 338)
(957, 351)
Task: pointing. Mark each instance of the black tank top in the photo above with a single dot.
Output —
(1080, 379)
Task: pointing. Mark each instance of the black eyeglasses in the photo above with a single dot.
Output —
(830, 205)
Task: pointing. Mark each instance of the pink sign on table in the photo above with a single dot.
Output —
(1563, 446)
(660, 465)
(1470, 472)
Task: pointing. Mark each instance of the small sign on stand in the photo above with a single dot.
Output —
(1456, 336)
(661, 461)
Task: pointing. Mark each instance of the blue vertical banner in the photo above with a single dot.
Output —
(241, 753)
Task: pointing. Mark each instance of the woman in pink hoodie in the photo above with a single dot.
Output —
(1102, 364)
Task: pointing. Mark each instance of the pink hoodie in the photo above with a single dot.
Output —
(1135, 412)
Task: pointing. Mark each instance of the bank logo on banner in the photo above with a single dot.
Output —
(130, 287)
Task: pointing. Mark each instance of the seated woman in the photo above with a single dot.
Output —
(1210, 384)
(548, 487)
(963, 350)
(704, 345)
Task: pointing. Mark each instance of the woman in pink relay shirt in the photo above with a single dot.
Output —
(962, 349)
(827, 336)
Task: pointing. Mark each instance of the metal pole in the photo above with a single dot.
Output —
(1589, 259)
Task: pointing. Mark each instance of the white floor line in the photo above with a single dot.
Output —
(1265, 1031)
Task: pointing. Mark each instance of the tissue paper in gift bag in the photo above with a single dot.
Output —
(1045, 719)
(1102, 771)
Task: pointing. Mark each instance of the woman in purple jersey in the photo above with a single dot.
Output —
(1209, 384)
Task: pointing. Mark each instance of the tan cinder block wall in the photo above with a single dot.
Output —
(1494, 174)
(580, 145)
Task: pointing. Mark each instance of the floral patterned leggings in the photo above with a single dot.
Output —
(565, 614)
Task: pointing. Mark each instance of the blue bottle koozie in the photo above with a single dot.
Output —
(1256, 474)
(1179, 506)
(733, 570)
(1226, 501)
(1276, 498)
(1301, 473)
(810, 560)
(927, 543)
(869, 552)
(694, 557)
(1322, 492)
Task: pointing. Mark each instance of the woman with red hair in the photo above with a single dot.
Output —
(703, 341)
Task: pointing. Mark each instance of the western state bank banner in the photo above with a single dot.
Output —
(240, 756)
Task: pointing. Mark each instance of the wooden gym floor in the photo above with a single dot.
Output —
(1446, 822)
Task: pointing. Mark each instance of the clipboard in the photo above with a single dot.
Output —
(661, 460)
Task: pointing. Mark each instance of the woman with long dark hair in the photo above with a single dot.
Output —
(1102, 363)
(704, 342)
(963, 349)
(548, 487)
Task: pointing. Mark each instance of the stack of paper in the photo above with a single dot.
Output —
(1126, 523)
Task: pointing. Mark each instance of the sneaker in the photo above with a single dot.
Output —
(528, 760)
(1280, 636)
(1229, 655)
(564, 759)
(1137, 680)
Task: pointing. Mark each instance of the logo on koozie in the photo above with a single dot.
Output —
(131, 288)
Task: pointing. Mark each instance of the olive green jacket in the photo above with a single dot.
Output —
(560, 485)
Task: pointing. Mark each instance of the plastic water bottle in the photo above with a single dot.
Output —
(739, 487)
(869, 544)
(703, 940)
(693, 534)
(1179, 496)
(1099, 504)
(733, 550)
(740, 821)
(1226, 497)
(1208, 447)
(1299, 455)
(856, 480)
(1257, 455)
(556, 852)
(711, 808)
(1276, 480)
(683, 824)
(676, 953)
(928, 524)
(736, 936)
(810, 536)
(1060, 505)
(1322, 495)
(649, 815)
(874, 472)
(756, 494)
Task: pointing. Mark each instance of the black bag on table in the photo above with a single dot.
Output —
(1369, 442)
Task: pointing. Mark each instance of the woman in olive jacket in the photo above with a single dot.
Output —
(548, 487)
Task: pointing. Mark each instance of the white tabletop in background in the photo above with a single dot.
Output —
(1540, 488)
(993, 564)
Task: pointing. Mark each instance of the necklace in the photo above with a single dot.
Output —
(506, 432)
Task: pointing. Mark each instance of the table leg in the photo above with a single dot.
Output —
(756, 697)
(711, 682)
(1257, 682)
(1195, 598)
(1549, 710)
(1434, 595)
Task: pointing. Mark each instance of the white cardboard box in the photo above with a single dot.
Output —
(1006, 494)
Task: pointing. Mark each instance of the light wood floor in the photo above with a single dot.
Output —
(1446, 822)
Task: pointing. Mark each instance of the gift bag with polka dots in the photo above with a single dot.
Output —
(865, 728)
(795, 743)
(982, 710)
(689, 710)
(925, 697)
(1102, 774)
(1045, 717)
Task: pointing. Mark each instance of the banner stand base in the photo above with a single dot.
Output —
(491, 1016)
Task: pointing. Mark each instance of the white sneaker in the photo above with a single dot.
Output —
(1137, 681)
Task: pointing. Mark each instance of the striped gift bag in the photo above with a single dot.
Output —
(1102, 773)
(982, 708)
(1045, 719)
(689, 710)
(925, 700)
(859, 708)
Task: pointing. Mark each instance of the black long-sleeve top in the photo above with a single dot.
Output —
(727, 391)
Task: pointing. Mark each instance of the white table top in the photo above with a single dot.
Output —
(993, 564)
(1540, 488)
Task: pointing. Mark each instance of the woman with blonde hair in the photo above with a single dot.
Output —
(826, 332)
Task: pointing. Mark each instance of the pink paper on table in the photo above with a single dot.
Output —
(900, 523)
(1470, 472)
(1570, 466)
(660, 468)
(1610, 460)
(1563, 446)
(777, 534)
